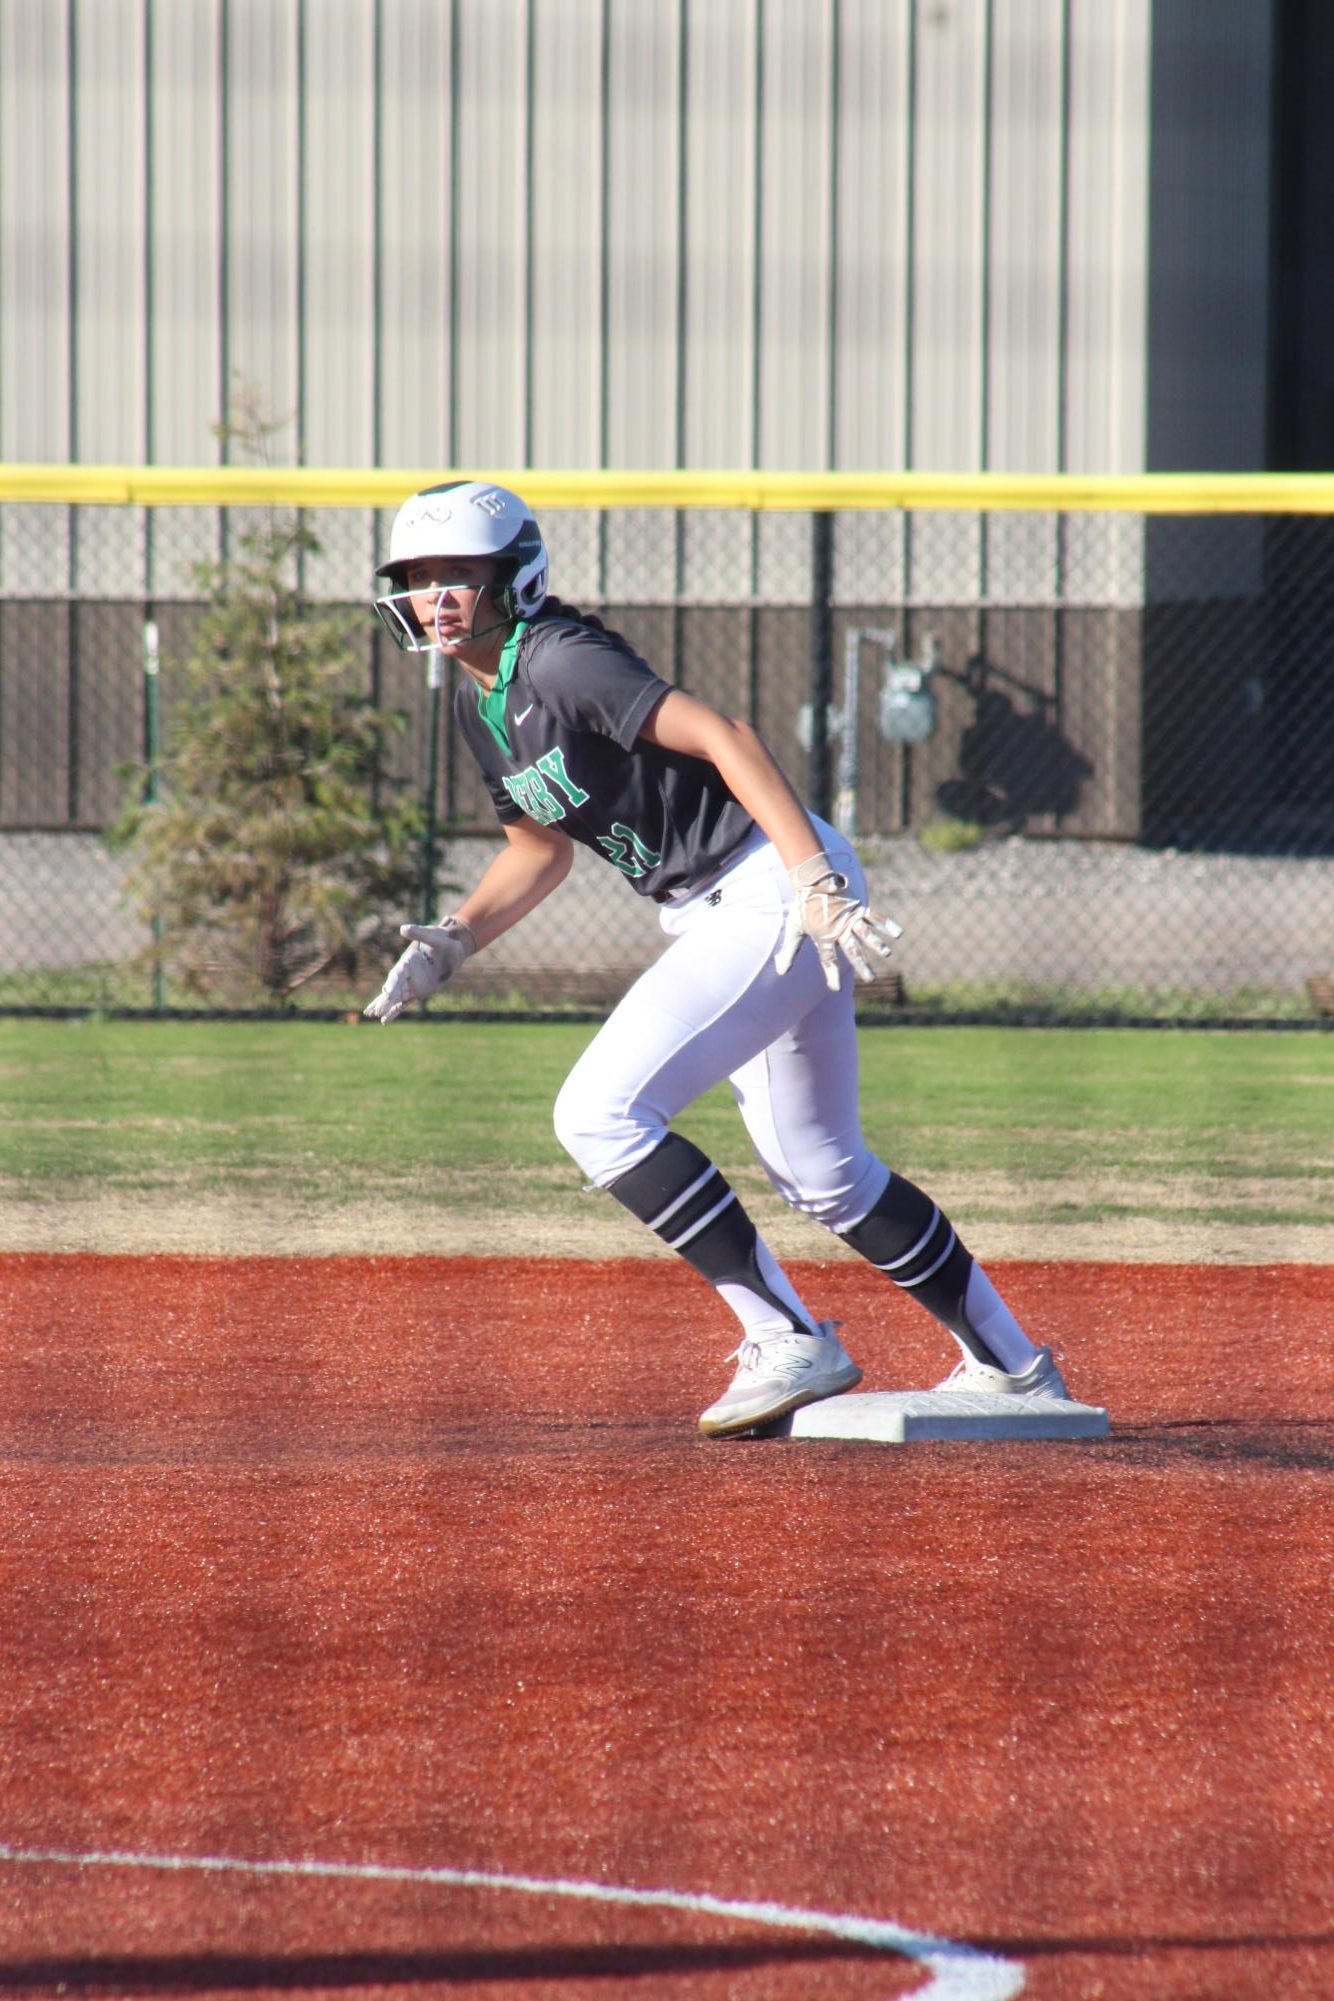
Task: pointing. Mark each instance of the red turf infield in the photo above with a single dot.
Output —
(422, 1563)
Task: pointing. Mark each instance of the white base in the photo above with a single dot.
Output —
(894, 1417)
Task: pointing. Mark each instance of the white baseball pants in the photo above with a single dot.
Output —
(713, 1007)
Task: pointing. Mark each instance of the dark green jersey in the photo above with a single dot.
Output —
(558, 740)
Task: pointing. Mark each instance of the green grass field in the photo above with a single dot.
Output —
(1038, 1124)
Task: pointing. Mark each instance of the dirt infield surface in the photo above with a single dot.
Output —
(414, 1567)
(204, 1224)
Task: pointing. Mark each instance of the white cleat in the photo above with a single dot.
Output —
(1041, 1378)
(778, 1375)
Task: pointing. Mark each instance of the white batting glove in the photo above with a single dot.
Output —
(825, 911)
(434, 956)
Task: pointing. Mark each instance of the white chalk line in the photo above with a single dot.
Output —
(958, 1972)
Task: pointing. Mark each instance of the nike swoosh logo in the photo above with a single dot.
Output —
(524, 713)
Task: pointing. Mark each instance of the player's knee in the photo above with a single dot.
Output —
(843, 1195)
(604, 1141)
(572, 1124)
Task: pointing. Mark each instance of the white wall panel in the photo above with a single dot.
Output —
(109, 270)
(36, 409)
(948, 278)
(722, 195)
(1022, 360)
(871, 297)
(491, 207)
(644, 233)
(795, 235)
(415, 364)
(261, 198)
(336, 328)
(338, 206)
(184, 386)
(645, 223)
(1107, 235)
(873, 231)
(568, 227)
(1023, 354)
(949, 235)
(793, 391)
(1107, 282)
(109, 132)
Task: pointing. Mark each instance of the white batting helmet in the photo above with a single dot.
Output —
(466, 517)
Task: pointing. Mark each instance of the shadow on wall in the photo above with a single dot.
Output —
(1014, 762)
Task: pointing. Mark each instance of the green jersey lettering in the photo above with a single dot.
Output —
(626, 851)
(529, 792)
(553, 763)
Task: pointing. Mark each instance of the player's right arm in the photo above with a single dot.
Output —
(534, 861)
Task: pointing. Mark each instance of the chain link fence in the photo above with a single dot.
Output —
(1088, 757)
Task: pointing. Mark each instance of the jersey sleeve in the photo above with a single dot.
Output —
(592, 681)
(506, 811)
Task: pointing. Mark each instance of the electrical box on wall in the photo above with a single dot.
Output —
(907, 705)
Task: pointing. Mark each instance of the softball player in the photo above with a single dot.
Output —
(579, 740)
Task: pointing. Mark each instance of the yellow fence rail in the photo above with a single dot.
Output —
(316, 486)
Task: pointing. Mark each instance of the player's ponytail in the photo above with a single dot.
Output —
(554, 607)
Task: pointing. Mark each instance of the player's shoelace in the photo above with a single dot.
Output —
(767, 1358)
(1047, 1383)
(966, 1372)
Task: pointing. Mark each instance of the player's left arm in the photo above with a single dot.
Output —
(752, 774)
(824, 909)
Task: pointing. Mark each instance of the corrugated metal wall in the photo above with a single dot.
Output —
(1028, 235)
(776, 233)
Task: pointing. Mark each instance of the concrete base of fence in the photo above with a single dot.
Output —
(1063, 919)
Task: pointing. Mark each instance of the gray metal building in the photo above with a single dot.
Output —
(1022, 234)
(1018, 235)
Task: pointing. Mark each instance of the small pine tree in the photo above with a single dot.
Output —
(278, 847)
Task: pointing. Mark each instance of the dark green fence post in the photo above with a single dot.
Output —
(152, 752)
(822, 658)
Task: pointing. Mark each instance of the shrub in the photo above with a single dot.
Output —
(277, 848)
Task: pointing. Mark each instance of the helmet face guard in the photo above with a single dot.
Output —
(400, 621)
(463, 519)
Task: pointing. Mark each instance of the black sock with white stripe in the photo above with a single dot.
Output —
(913, 1242)
(681, 1196)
